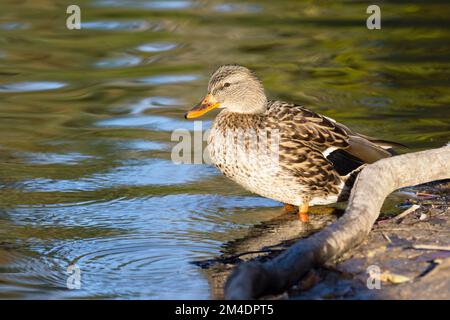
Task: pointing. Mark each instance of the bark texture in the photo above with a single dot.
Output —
(375, 182)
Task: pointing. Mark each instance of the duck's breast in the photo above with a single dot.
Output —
(251, 158)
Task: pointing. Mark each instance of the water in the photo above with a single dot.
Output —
(86, 177)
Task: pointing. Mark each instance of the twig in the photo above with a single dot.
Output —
(406, 229)
(406, 212)
(386, 237)
(430, 247)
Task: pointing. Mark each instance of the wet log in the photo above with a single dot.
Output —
(252, 279)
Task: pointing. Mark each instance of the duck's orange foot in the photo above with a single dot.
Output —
(303, 213)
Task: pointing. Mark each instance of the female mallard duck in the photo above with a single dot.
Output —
(316, 158)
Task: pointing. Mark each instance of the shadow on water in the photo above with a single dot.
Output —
(86, 117)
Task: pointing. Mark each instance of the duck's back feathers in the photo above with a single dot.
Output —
(342, 147)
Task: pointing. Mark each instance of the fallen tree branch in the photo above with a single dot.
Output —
(430, 247)
(375, 182)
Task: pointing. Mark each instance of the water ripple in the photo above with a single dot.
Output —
(168, 79)
(131, 173)
(375, 101)
(157, 46)
(116, 25)
(142, 145)
(151, 122)
(31, 86)
(153, 102)
(14, 26)
(54, 158)
(238, 8)
(158, 232)
(159, 214)
(163, 5)
(124, 61)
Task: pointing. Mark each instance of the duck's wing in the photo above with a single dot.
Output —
(345, 149)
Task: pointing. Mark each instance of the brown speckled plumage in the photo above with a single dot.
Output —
(316, 157)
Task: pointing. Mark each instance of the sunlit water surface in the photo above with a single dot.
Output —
(86, 117)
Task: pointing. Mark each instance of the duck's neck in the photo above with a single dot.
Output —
(236, 120)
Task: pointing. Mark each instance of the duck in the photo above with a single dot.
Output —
(281, 150)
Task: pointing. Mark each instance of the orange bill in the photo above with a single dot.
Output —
(207, 104)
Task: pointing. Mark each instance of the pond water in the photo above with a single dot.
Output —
(86, 116)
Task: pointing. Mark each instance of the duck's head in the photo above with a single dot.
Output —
(234, 88)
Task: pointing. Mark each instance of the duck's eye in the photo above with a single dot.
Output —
(227, 84)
